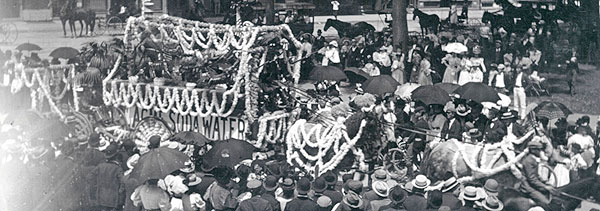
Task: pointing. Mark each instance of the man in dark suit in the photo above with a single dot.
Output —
(302, 202)
(357, 57)
(453, 127)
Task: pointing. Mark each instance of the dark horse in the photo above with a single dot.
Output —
(497, 21)
(426, 21)
(70, 13)
(345, 29)
(583, 189)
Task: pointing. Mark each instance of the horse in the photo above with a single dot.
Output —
(496, 21)
(426, 21)
(345, 29)
(580, 189)
(69, 13)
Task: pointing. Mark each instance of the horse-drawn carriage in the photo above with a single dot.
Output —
(297, 15)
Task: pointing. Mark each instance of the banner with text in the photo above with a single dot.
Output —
(215, 128)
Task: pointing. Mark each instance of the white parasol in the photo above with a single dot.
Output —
(455, 47)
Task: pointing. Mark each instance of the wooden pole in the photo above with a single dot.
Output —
(399, 25)
(269, 8)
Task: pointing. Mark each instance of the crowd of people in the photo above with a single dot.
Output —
(90, 175)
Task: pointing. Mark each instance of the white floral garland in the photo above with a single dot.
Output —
(178, 100)
(478, 172)
(275, 122)
(326, 137)
(40, 87)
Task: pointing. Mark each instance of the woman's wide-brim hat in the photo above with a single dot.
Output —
(474, 133)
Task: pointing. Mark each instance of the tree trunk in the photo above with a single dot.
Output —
(269, 7)
(399, 26)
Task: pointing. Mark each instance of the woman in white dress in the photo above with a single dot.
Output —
(398, 67)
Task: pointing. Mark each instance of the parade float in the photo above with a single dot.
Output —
(214, 91)
(47, 87)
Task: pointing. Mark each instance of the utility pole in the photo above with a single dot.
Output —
(399, 24)
(269, 8)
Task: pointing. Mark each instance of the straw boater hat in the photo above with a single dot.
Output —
(189, 167)
(449, 184)
(421, 182)
(492, 203)
(470, 193)
(288, 184)
(381, 188)
(352, 200)
(324, 201)
(380, 174)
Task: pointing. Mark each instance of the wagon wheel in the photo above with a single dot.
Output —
(81, 124)
(150, 126)
(8, 32)
(100, 27)
(311, 38)
(115, 25)
(111, 116)
(394, 162)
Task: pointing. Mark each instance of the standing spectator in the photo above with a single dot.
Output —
(256, 202)
(105, 185)
(452, 63)
(220, 195)
(398, 67)
(151, 197)
(383, 62)
(381, 189)
(397, 197)
(270, 185)
(450, 192)
(469, 196)
(572, 70)
(331, 55)
(287, 195)
(335, 195)
(453, 126)
(521, 81)
(417, 200)
(434, 200)
(319, 40)
(336, 7)
(324, 203)
(302, 202)
(425, 72)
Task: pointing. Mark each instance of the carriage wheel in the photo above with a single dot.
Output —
(100, 27)
(311, 38)
(115, 25)
(81, 124)
(394, 162)
(112, 116)
(8, 32)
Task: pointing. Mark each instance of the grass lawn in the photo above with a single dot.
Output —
(587, 90)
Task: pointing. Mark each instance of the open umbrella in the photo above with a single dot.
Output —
(380, 84)
(448, 87)
(331, 73)
(456, 47)
(190, 137)
(228, 152)
(405, 91)
(158, 163)
(28, 47)
(356, 75)
(552, 110)
(430, 94)
(477, 92)
(64, 53)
